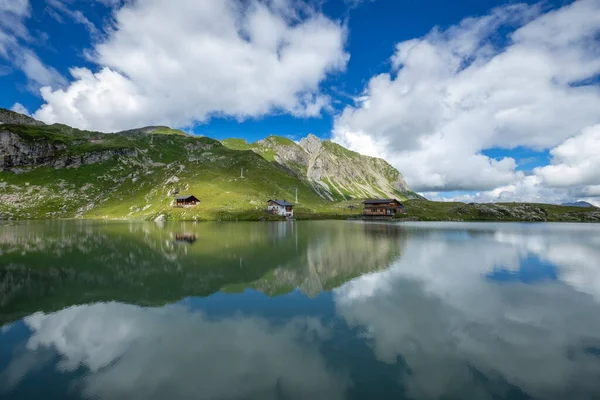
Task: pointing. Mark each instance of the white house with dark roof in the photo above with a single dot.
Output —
(280, 207)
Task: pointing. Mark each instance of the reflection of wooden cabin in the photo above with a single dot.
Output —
(186, 237)
(384, 231)
(382, 207)
(187, 201)
(280, 207)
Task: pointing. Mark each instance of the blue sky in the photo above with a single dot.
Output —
(374, 29)
(470, 100)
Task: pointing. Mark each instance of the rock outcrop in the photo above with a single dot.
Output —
(11, 117)
(333, 171)
(18, 155)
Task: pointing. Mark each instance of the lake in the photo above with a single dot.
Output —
(299, 310)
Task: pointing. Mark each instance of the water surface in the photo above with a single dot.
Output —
(299, 310)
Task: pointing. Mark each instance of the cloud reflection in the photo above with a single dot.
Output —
(157, 353)
(459, 332)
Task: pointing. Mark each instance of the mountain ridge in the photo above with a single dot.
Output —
(333, 171)
(56, 171)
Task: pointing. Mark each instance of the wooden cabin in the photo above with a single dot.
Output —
(186, 201)
(280, 207)
(382, 207)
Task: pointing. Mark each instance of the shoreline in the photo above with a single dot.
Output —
(416, 210)
(319, 218)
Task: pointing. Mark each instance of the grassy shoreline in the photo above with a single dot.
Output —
(416, 210)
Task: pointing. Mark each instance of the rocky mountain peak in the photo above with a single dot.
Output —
(11, 117)
(311, 144)
(333, 171)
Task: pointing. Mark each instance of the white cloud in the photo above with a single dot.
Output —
(574, 173)
(136, 353)
(37, 72)
(16, 7)
(454, 93)
(12, 15)
(20, 108)
(183, 61)
(14, 46)
(446, 318)
(527, 189)
(58, 8)
(575, 161)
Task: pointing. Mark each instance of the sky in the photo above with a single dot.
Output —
(471, 100)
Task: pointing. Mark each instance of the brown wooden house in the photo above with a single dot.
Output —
(382, 207)
(186, 201)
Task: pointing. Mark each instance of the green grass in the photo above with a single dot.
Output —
(340, 150)
(424, 210)
(165, 130)
(279, 140)
(139, 187)
(236, 144)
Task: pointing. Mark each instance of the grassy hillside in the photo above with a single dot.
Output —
(423, 210)
(140, 184)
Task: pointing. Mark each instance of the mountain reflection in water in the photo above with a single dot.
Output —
(299, 310)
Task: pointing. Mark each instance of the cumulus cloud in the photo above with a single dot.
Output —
(456, 92)
(184, 61)
(447, 317)
(574, 173)
(576, 161)
(20, 108)
(139, 353)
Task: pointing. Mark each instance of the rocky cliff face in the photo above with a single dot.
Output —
(335, 172)
(19, 155)
(11, 117)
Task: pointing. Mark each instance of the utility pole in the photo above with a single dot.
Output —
(296, 194)
(242, 173)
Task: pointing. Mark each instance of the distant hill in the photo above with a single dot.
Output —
(578, 204)
(11, 117)
(56, 171)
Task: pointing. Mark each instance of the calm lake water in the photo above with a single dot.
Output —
(299, 310)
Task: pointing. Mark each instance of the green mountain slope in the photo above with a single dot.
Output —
(334, 172)
(54, 171)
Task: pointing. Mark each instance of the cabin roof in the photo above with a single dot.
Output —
(282, 203)
(380, 201)
(188, 197)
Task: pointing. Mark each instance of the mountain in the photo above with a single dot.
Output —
(11, 117)
(332, 171)
(578, 204)
(55, 171)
